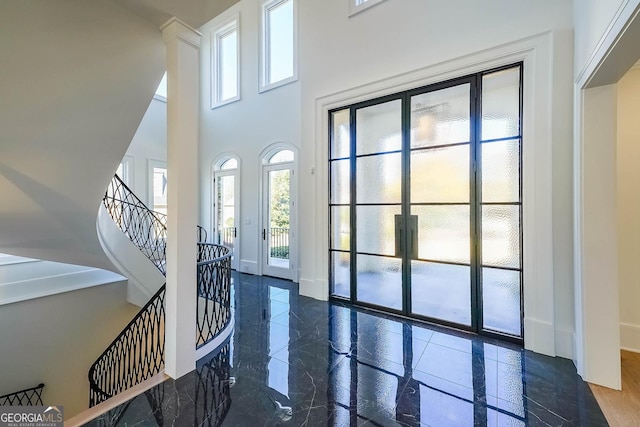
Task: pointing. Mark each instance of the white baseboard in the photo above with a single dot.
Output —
(630, 337)
(249, 267)
(316, 289)
(539, 336)
(564, 343)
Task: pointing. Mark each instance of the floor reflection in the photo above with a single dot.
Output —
(398, 372)
(294, 361)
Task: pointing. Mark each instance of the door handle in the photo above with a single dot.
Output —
(264, 234)
(412, 231)
(235, 230)
(413, 242)
(399, 232)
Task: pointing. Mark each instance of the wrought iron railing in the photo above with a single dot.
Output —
(135, 355)
(279, 243)
(202, 234)
(27, 397)
(145, 228)
(214, 283)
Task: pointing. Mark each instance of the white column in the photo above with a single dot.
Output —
(183, 100)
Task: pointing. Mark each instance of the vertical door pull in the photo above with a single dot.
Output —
(235, 232)
(413, 238)
(399, 233)
(264, 234)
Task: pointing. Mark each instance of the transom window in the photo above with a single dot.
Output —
(279, 43)
(281, 156)
(229, 164)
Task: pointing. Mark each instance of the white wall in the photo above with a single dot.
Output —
(394, 38)
(389, 40)
(76, 80)
(592, 18)
(628, 175)
(149, 143)
(55, 340)
(244, 128)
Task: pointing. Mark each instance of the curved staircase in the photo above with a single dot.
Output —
(137, 353)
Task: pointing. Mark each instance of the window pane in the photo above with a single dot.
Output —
(340, 228)
(443, 233)
(160, 190)
(440, 175)
(501, 236)
(501, 171)
(380, 281)
(501, 300)
(376, 229)
(282, 156)
(229, 164)
(378, 178)
(280, 41)
(228, 65)
(379, 128)
(341, 273)
(440, 117)
(341, 137)
(340, 182)
(441, 291)
(501, 104)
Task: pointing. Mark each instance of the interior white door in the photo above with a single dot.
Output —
(277, 221)
(226, 208)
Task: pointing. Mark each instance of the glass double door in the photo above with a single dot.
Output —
(425, 203)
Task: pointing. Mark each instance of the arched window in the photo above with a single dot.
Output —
(228, 164)
(281, 156)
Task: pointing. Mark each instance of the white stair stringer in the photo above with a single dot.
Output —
(144, 277)
(22, 281)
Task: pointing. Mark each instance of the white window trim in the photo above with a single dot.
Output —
(128, 163)
(231, 24)
(264, 66)
(153, 163)
(357, 8)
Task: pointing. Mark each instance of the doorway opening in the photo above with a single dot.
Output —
(226, 209)
(278, 214)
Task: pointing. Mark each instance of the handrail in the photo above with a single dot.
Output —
(213, 311)
(145, 228)
(137, 353)
(27, 397)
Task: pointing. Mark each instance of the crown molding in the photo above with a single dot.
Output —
(175, 29)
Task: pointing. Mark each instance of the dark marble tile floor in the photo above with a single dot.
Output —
(295, 361)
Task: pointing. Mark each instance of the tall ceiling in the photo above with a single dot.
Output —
(193, 12)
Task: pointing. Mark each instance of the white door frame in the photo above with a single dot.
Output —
(265, 167)
(216, 173)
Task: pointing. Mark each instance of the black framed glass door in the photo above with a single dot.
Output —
(425, 202)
